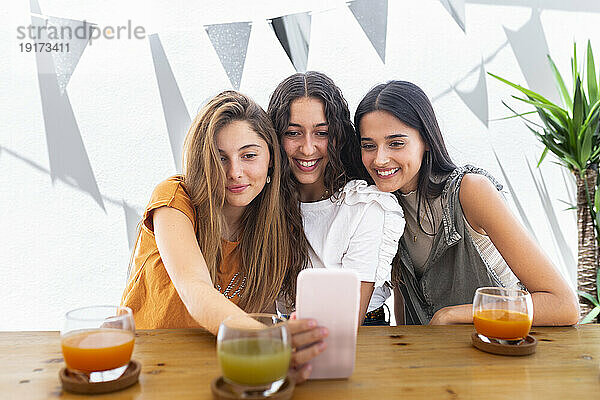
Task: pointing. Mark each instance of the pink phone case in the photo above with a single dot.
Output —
(332, 298)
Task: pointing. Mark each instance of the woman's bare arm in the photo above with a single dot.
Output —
(187, 269)
(366, 290)
(555, 303)
(399, 307)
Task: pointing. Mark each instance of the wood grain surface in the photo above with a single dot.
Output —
(404, 362)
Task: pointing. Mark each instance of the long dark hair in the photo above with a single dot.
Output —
(343, 147)
(407, 102)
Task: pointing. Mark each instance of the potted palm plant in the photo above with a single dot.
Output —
(571, 132)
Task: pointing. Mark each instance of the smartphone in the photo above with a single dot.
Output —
(332, 298)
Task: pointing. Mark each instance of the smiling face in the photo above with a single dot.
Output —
(245, 158)
(305, 143)
(391, 151)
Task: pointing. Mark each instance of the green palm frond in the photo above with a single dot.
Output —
(561, 85)
(591, 75)
(571, 132)
(591, 316)
(589, 297)
(513, 116)
(598, 284)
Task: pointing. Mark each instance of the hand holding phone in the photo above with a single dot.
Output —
(307, 343)
(332, 298)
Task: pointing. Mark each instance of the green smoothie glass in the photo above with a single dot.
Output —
(254, 353)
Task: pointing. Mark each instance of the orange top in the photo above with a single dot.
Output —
(149, 291)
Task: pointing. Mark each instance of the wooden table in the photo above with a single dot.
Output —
(405, 362)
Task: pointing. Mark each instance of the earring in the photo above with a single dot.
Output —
(268, 179)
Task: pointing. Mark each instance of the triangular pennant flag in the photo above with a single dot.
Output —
(74, 33)
(132, 218)
(372, 17)
(176, 114)
(477, 99)
(231, 43)
(530, 48)
(293, 32)
(456, 8)
(67, 155)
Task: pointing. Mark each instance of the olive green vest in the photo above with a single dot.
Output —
(454, 269)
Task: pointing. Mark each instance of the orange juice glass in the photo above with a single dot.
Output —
(98, 341)
(501, 313)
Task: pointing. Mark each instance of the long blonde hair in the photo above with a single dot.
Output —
(268, 250)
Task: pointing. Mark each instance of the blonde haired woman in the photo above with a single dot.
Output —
(220, 240)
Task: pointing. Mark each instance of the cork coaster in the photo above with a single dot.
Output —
(79, 383)
(221, 390)
(523, 348)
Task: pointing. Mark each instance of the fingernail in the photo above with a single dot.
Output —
(312, 323)
(322, 346)
(324, 332)
(307, 371)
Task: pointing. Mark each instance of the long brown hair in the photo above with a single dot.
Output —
(268, 249)
(344, 154)
(343, 147)
(410, 105)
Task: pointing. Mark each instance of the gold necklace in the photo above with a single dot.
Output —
(414, 233)
(422, 217)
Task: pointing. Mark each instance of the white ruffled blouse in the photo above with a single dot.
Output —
(359, 230)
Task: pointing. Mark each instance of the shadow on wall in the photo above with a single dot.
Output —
(176, 114)
(66, 151)
(132, 217)
(533, 59)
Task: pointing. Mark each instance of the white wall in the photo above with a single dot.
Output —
(59, 249)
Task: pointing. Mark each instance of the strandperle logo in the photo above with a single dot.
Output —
(84, 31)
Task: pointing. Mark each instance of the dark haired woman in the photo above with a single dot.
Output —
(347, 223)
(460, 234)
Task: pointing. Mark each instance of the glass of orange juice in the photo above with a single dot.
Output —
(502, 314)
(254, 353)
(98, 341)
